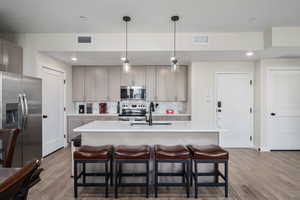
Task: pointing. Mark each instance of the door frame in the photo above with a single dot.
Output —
(267, 117)
(251, 77)
(64, 99)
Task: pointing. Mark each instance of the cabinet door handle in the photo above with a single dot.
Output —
(273, 114)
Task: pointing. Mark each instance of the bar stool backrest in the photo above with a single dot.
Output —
(10, 146)
(16, 187)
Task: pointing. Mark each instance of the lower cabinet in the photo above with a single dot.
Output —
(76, 121)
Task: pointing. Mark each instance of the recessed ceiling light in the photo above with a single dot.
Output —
(74, 59)
(249, 53)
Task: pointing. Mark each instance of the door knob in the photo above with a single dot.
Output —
(273, 114)
(45, 116)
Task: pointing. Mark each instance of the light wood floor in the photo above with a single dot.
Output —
(253, 175)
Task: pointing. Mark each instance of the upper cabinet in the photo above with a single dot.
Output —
(114, 83)
(171, 86)
(11, 57)
(78, 81)
(181, 83)
(100, 83)
(151, 83)
(96, 84)
(136, 77)
(166, 84)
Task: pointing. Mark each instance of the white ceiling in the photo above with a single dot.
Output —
(148, 15)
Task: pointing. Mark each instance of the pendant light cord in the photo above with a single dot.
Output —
(126, 43)
(174, 52)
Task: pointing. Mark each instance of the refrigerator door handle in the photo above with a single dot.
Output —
(25, 110)
(21, 103)
(26, 105)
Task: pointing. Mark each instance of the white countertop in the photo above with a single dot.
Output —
(92, 114)
(116, 114)
(124, 126)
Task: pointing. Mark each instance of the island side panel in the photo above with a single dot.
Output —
(151, 138)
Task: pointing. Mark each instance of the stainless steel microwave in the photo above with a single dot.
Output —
(133, 93)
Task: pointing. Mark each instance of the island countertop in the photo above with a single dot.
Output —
(126, 127)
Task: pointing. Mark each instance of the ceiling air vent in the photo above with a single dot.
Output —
(200, 39)
(84, 39)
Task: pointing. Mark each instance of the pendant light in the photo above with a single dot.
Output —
(174, 61)
(125, 60)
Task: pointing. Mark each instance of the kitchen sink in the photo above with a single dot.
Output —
(147, 124)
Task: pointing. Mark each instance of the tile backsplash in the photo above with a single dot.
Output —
(111, 106)
(178, 107)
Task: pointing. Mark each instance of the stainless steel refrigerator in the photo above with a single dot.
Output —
(21, 107)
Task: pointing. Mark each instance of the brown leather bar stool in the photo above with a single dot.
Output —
(210, 154)
(91, 154)
(134, 155)
(172, 154)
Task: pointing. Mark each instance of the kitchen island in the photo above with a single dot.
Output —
(99, 133)
(123, 133)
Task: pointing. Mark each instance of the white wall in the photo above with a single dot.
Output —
(33, 60)
(258, 105)
(203, 86)
(237, 41)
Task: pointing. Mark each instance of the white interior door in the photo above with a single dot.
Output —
(53, 110)
(284, 109)
(233, 109)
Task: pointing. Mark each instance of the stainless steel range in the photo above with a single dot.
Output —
(133, 111)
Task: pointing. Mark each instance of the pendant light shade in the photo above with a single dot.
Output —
(125, 60)
(174, 61)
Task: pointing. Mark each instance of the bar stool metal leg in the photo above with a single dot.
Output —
(156, 178)
(116, 179)
(216, 166)
(186, 165)
(84, 173)
(196, 179)
(147, 179)
(111, 172)
(226, 178)
(183, 172)
(75, 180)
(106, 179)
(120, 172)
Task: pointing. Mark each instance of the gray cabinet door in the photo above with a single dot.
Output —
(181, 83)
(151, 83)
(127, 78)
(95, 83)
(12, 57)
(166, 85)
(135, 77)
(78, 83)
(139, 76)
(114, 83)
